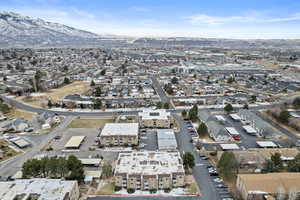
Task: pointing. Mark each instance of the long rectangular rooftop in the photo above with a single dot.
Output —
(149, 163)
(50, 189)
(124, 129)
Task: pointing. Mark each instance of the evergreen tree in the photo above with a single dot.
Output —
(92, 83)
(50, 104)
(284, 116)
(296, 102)
(98, 92)
(228, 108)
(67, 81)
(188, 160)
(193, 113)
(228, 165)
(202, 130)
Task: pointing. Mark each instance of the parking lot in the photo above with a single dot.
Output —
(248, 141)
(58, 143)
(148, 140)
(220, 187)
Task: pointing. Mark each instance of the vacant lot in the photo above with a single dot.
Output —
(78, 87)
(15, 113)
(8, 152)
(107, 189)
(89, 122)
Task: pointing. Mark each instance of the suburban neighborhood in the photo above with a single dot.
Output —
(161, 118)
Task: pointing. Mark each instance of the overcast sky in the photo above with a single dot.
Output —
(241, 19)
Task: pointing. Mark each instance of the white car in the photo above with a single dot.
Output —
(218, 180)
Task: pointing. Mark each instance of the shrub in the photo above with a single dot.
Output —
(214, 153)
(130, 190)
(167, 190)
(152, 191)
(117, 188)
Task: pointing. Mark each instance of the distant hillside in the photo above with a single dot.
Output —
(17, 30)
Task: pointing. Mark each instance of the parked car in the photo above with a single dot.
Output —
(218, 180)
(29, 129)
(203, 157)
(57, 137)
(221, 186)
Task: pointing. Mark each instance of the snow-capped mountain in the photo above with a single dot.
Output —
(18, 30)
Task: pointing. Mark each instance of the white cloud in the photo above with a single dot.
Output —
(199, 19)
(139, 9)
(201, 25)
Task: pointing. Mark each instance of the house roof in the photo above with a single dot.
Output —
(16, 122)
(271, 183)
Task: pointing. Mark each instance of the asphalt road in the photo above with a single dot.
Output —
(10, 167)
(159, 90)
(200, 172)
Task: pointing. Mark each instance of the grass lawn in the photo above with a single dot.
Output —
(89, 123)
(14, 113)
(193, 188)
(108, 188)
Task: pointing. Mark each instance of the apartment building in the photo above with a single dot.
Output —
(119, 134)
(155, 119)
(149, 170)
(50, 189)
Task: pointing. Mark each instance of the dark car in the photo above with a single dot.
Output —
(203, 157)
(57, 137)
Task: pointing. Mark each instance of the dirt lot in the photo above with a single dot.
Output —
(14, 113)
(78, 87)
(89, 122)
(8, 152)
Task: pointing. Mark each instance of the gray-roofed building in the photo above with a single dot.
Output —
(50, 189)
(18, 125)
(217, 131)
(166, 139)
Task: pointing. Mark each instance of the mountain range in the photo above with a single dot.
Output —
(22, 31)
(18, 31)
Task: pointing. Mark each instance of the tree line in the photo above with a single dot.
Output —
(69, 168)
(276, 164)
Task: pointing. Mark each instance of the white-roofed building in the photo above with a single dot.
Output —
(155, 119)
(229, 147)
(166, 140)
(40, 189)
(235, 117)
(250, 130)
(266, 144)
(149, 170)
(75, 142)
(91, 161)
(119, 134)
